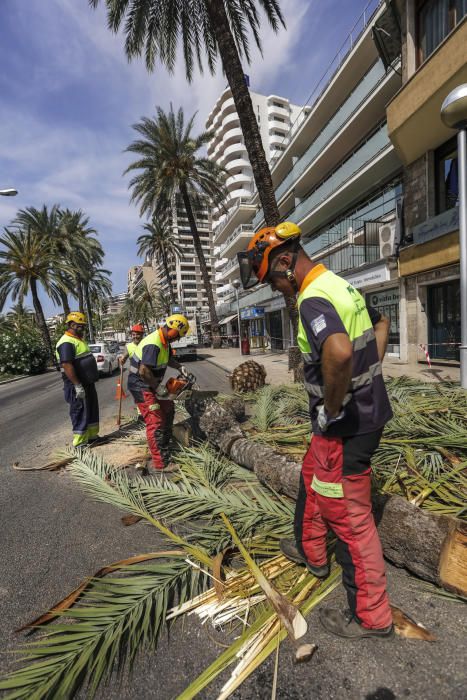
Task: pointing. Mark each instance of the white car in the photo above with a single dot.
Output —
(106, 359)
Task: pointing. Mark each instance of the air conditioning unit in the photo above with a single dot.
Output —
(387, 239)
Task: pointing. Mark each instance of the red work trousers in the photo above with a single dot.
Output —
(346, 510)
(158, 416)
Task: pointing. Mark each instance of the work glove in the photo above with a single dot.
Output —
(184, 371)
(80, 392)
(325, 420)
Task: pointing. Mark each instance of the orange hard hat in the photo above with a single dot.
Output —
(138, 328)
(254, 263)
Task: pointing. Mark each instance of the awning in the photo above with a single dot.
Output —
(226, 320)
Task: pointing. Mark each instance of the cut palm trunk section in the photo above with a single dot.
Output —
(429, 545)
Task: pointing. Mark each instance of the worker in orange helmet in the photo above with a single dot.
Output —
(342, 344)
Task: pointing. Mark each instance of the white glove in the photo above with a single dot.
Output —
(80, 392)
(184, 371)
(324, 420)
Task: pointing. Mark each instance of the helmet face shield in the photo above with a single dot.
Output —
(247, 274)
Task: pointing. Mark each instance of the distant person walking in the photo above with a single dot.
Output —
(137, 333)
(79, 372)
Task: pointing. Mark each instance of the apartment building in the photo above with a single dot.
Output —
(340, 179)
(185, 273)
(434, 61)
(277, 119)
(137, 274)
(114, 303)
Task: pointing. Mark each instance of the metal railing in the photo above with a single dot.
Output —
(243, 228)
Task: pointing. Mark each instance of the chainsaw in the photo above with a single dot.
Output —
(182, 387)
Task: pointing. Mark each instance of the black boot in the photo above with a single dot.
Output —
(291, 551)
(344, 624)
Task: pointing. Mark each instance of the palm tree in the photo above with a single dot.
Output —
(222, 27)
(77, 244)
(96, 285)
(169, 167)
(26, 261)
(160, 243)
(19, 318)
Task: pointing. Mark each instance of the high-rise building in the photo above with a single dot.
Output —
(137, 274)
(185, 273)
(277, 120)
(340, 179)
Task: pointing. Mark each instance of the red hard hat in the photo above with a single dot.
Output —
(138, 328)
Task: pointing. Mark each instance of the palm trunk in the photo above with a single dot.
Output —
(65, 304)
(41, 320)
(79, 291)
(203, 267)
(234, 73)
(165, 265)
(88, 312)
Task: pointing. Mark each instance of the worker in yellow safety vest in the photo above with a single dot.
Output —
(80, 373)
(137, 333)
(343, 343)
(147, 368)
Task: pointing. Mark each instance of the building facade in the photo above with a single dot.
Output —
(434, 61)
(277, 119)
(185, 274)
(340, 179)
(138, 274)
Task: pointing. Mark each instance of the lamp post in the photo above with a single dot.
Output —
(454, 116)
(236, 286)
(9, 192)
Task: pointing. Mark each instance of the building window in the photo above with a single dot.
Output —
(436, 18)
(447, 176)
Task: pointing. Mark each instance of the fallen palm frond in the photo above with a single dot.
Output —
(423, 452)
(111, 618)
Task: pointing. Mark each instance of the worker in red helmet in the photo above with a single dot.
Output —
(343, 343)
(137, 332)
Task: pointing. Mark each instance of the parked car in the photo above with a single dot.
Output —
(106, 359)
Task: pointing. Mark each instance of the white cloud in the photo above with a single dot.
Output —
(52, 157)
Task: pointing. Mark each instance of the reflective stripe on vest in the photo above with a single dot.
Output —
(328, 489)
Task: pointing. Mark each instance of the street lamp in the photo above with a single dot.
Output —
(454, 116)
(9, 192)
(236, 286)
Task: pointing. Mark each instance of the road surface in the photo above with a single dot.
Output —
(52, 536)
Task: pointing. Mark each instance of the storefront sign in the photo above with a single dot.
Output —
(367, 278)
(388, 296)
(251, 313)
(437, 226)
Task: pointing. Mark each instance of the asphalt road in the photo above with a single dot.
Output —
(52, 536)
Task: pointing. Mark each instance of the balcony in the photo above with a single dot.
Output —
(373, 162)
(233, 181)
(365, 90)
(229, 272)
(234, 134)
(280, 126)
(229, 121)
(414, 122)
(236, 163)
(233, 150)
(236, 241)
(282, 111)
(240, 213)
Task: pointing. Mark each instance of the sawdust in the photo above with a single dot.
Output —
(122, 455)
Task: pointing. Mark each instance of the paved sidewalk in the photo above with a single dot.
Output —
(276, 365)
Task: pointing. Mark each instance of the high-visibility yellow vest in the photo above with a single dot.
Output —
(84, 362)
(81, 346)
(163, 356)
(351, 308)
(130, 348)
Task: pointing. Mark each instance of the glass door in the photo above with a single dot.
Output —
(444, 320)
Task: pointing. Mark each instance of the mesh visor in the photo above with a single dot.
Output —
(247, 274)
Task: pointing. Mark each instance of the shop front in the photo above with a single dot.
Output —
(253, 326)
(379, 284)
(387, 303)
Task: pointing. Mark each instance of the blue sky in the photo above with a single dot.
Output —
(69, 98)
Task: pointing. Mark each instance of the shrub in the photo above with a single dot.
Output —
(22, 353)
